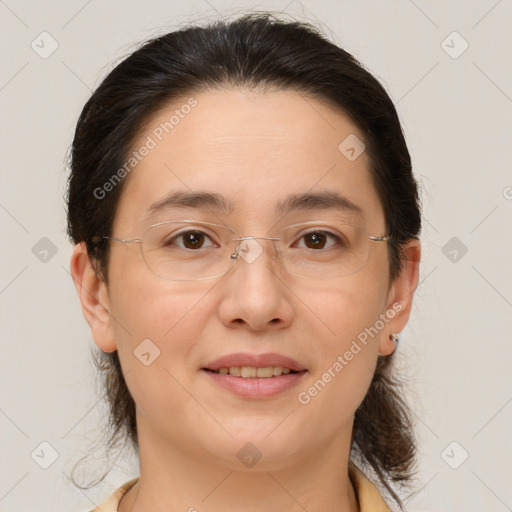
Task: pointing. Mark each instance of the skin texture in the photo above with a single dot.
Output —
(255, 148)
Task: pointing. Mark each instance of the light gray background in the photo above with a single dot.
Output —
(456, 113)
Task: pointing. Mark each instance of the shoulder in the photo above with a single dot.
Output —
(369, 498)
(111, 503)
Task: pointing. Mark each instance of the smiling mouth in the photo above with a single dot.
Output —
(251, 372)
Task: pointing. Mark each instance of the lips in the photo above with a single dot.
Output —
(255, 361)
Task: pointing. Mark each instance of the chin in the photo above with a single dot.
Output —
(264, 449)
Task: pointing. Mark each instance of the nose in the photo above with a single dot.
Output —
(254, 293)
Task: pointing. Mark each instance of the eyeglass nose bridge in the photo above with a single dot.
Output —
(251, 257)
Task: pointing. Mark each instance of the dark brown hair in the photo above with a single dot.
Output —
(256, 50)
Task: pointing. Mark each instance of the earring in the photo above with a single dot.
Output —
(395, 338)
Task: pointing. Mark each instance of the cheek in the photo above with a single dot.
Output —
(340, 311)
(145, 306)
(157, 324)
(346, 345)
(164, 325)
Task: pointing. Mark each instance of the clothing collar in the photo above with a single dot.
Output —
(368, 496)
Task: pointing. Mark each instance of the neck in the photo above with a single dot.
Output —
(181, 478)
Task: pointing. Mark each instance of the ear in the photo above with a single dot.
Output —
(400, 296)
(93, 295)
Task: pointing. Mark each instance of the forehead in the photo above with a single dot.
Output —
(254, 148)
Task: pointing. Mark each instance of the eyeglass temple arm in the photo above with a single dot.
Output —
(124, 240)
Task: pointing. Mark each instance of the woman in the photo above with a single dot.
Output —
(246, 225)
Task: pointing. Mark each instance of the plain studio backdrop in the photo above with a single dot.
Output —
(445, 64)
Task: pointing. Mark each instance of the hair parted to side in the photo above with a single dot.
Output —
(258, 51)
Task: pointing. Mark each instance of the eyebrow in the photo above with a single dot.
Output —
(326, 200)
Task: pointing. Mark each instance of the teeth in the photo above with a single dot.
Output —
(235, 370)
(247, 372)
(265, 372)
(250, 372)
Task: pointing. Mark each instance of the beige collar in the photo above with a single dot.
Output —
(367, 494)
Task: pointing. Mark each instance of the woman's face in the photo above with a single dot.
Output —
(255, 150)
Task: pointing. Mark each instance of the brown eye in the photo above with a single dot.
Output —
(188, 240)
(320, 240)
(315, 240)
(193, 239)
